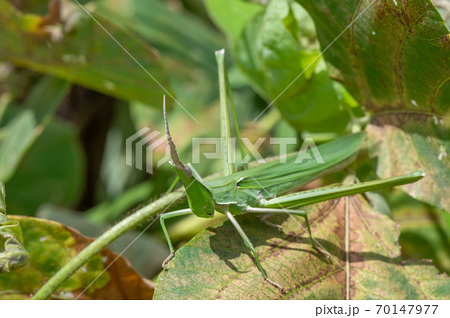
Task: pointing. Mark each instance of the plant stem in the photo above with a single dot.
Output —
(227, 149)
(151, 210)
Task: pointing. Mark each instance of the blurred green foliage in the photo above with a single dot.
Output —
(70, 97)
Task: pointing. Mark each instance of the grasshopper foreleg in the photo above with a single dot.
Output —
(166, 234)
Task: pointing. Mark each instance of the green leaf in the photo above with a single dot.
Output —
(26, 126)
(217, 265)
(80, 51)
(55, 164)
(394, 61)
(185, 42)
(232, 15)
(189, 40)
(19, 134)
(278, 53)
(50, 246)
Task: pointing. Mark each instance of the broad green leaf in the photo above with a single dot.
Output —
(50, 246)
(278, 52)
(18, 135)
(52, 171)
(27, 125)
(185, 42)
(175, 34)
(232, 15)
(394, 60)
(80, 51)
(217, 265)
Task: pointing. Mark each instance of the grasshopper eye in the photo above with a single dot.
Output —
(208, 210)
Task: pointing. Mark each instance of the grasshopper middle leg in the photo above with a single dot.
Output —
(249, 244)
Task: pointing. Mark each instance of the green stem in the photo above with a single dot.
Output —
(150, 211)
(227, 151)
(236, 123)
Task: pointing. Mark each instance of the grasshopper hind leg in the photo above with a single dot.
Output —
(269, 212)
(264, 219)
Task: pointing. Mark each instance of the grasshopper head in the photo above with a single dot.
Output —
(199, 197)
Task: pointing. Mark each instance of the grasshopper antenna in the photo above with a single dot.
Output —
(173, 150)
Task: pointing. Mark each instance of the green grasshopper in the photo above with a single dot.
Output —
(255, 190)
